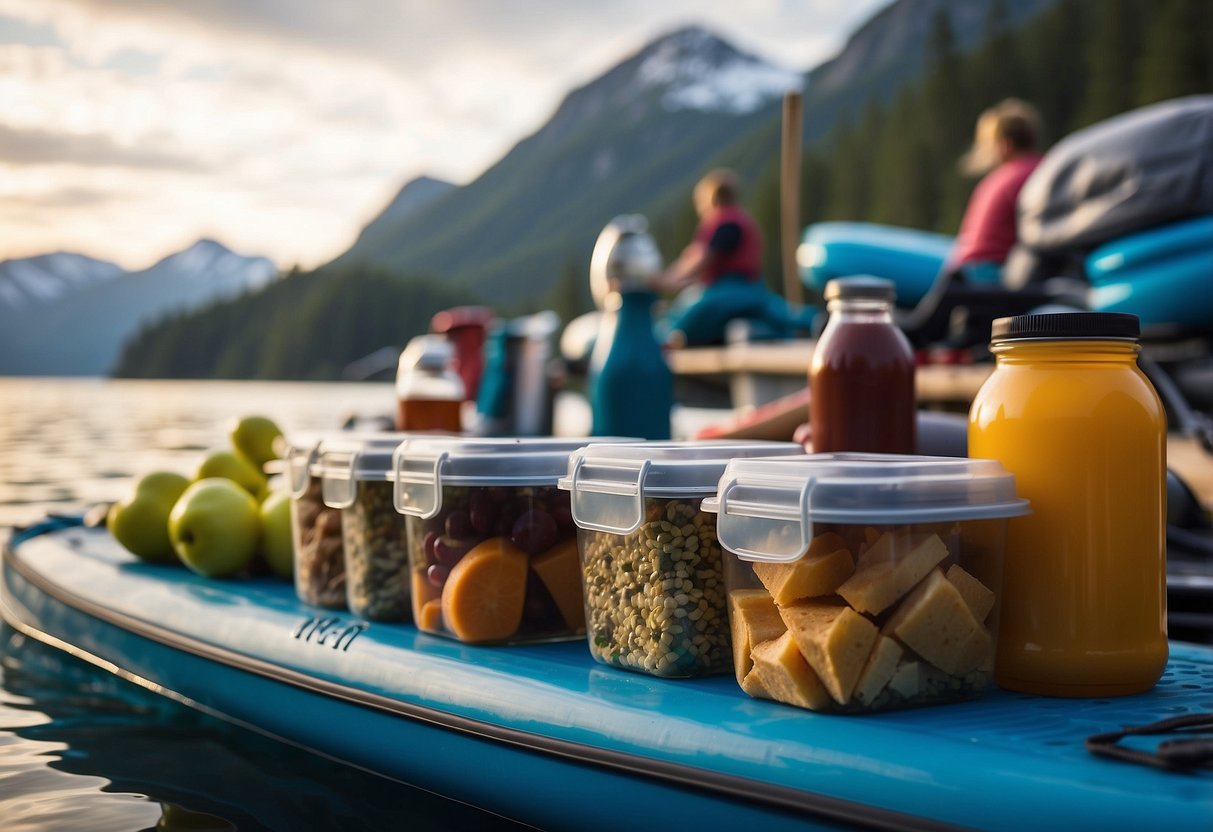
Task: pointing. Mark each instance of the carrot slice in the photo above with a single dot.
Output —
(485, 592)
(560, 570)
(429, 619)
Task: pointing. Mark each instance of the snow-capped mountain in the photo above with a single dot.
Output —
(646, 128)
(695, 70)
(80, 330)
(216, 270)
(32, 281)
(689, 71)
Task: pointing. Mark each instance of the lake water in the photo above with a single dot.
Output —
(83, 750)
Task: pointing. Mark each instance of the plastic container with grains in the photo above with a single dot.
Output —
(356, 480)
(491, 543)
(864, 582)
(650, 562)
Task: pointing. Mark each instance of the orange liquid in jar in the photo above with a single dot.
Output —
(428, 414)
(1084, 583)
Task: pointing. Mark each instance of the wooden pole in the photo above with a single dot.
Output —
(789, 190)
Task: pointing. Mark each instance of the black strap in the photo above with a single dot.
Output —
(1183, 754)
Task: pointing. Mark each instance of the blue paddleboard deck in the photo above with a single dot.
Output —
(544, 735)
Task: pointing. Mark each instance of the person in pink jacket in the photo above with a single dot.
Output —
(1007, 146)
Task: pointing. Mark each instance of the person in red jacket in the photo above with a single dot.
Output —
(1007, 141)
(725, 259)
(727, 242)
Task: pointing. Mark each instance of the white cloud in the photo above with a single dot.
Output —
(281, 126)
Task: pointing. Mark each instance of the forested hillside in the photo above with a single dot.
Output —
(1079, 62)
(304, 326)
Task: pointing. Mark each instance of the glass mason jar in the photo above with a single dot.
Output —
(1070, 414)
(861, 377)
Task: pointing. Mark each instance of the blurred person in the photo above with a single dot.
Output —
(1006, 149)
(724, 262)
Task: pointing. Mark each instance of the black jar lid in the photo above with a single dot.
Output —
(861, 287)
(1076, 325)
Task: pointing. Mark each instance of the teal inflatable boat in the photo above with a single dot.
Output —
(544, 735)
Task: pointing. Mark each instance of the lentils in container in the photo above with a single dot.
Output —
(864, 582)
(319, 557)
(651, 565)
(492, 547)
(356, 480)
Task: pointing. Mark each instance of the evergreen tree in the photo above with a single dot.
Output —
(904, 168)
(947, 107)
(1055, 73)
(1111, 55)
(1177, 57)
(997, 68)
(570, 297)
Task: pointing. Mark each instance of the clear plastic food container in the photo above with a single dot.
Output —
(864, 582)
(355, 475)
(315, 529)
(492, 546)
(650, 560)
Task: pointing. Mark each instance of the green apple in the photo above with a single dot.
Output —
(232, 466)
(256, 438)
(140, 522)
(215, 527)
(276, 543)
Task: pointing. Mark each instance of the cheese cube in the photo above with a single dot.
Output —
(881, 665)
(819, 571)
(754, 619)
(916, 679)
(935, 622)
(888, 570)
(786, 677)
(977, 597)
(836, 642)
(752, 685)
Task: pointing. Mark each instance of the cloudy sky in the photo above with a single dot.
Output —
(130, 128)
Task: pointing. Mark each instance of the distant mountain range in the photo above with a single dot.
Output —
(67, 314)
(29, 282)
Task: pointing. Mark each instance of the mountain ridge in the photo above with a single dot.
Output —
(514, 227)
(42, 278)
(80, 332)
(523, 222)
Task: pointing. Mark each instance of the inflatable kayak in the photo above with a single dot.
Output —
(544, 735)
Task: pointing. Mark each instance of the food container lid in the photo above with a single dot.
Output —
(423, 465)
(767, 507)
(609, 483)
(346, 459)
(300, 455)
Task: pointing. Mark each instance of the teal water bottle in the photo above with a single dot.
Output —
(631, 388)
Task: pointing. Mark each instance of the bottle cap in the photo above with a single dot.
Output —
(427, 352)
(1093, 326)
(861, 287)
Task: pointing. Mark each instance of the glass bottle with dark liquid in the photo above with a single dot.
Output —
(861, 378)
